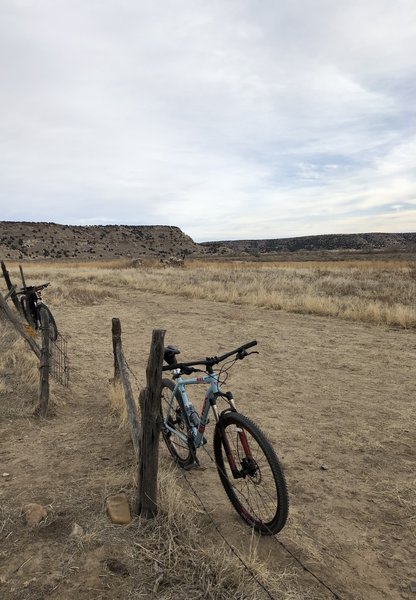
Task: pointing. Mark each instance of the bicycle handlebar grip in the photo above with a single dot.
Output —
(249, 345)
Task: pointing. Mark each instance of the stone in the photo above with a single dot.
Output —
(6, 475)
(33, 513)
(412, 586)
(77, 530)
(118, 509)
(324, 467)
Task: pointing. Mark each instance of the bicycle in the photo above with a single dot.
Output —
(31, 303)
(246, 462)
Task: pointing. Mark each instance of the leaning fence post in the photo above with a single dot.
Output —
(146, 501)
(121, 375)
(18, 325)
(10, 287)
(44, 364)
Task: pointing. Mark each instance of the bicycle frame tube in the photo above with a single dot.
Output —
(212, 389)
(209, 402)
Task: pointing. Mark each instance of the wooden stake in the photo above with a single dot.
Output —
(22, 276)
(146, 501)
(116, 335)
(18, 325)
(44, 364)
(11, 287)
(121, 375)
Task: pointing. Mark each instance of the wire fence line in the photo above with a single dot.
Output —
(59, 360)
(281, 544)
(284, 546)
(230, 546)
(47, 344)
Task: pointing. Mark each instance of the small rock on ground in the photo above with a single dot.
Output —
(118, 509)
(33, 513)
(77, 530)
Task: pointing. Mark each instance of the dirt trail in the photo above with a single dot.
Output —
(324, 391)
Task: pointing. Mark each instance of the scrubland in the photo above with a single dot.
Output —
(333, 386)
(381, 292)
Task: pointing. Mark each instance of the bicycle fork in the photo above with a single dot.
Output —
(248, 464)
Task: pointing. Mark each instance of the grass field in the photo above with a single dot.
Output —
(381, 292)
(330, 386)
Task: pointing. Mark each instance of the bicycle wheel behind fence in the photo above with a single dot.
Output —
(173, 416)
(258, 492)
(53, 330)
(24, 303)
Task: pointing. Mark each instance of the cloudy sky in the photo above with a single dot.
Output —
(229, 118)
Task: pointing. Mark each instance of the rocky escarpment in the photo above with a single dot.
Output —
(346, 242)
(23, 240)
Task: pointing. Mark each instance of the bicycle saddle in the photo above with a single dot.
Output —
(169, 354)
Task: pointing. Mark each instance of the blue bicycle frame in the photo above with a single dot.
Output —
(211, 395)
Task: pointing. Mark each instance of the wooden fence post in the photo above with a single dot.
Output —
(22, 275)
(121, 375)
(16, 322)
(116, 335)
(44, 365)
(9, 284)
(146, 500)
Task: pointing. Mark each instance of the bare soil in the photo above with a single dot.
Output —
(326, 392)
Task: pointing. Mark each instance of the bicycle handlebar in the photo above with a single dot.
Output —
(214, 360)
(33, 288)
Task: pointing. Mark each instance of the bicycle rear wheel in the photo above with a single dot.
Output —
(174, 416)
(250, 473)
(26, 309)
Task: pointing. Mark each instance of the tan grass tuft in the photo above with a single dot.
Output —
(117, 403)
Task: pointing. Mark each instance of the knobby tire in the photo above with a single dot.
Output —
(53, 330)
(259, 493)
(177, 420)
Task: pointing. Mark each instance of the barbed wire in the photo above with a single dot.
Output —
(230, 546)
(283, 545)
(139, 384)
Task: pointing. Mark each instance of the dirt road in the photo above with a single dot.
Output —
(326, 392)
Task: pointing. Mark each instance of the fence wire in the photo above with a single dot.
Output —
(261, 585)
(281, 544)
(59, 360)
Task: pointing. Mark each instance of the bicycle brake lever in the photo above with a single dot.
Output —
(244, 353)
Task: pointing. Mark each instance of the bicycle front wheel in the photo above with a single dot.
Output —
(250, 473)
(174, 424)
(53, 330)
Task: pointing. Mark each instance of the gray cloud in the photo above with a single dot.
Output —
(230, 119)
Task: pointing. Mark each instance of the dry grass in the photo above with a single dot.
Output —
(19, 375)
(190, 562)
(118, 404)
(178, 553)
(380, 292)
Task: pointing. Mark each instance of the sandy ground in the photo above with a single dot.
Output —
(325, 391)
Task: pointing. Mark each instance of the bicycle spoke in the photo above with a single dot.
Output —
(174, 427)
(257, 489)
